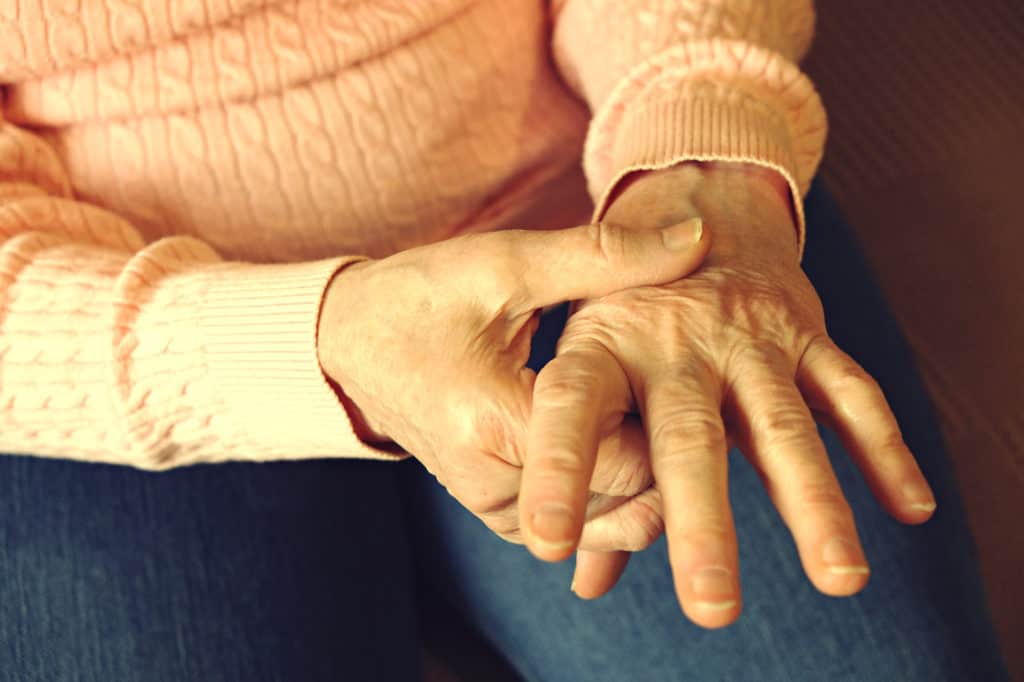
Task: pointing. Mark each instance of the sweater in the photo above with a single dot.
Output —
(179, 182)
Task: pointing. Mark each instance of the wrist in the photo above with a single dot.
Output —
(745, 206)
(333, 345)
(361, 425)
(333, 322)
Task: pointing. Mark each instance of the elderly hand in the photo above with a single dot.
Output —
(737, 350)
(429, 347)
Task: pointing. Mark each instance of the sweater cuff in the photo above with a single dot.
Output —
(259, 324)
(661, 134)
(713, 100)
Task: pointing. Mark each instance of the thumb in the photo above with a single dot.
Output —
(595, 260)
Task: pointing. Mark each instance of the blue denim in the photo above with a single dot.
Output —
(284, 572)
(308, 571)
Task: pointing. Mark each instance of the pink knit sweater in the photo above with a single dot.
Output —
(179, 180)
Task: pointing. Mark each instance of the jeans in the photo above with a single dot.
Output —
(308, 571)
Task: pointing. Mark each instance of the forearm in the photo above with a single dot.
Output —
(153, 355)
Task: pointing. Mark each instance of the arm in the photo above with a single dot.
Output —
(163, 354)
(153, 355)
(672, 81)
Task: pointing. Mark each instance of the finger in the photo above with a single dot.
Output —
(838, 387)
(633, 525)
(597, 572)
(688, 455)
(594, 260)
(599, 504)
(783, 445)
(578, 397)
(623, 461)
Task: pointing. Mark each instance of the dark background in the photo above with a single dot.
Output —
(925, 156)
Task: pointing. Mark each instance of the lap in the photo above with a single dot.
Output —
(922, 617)
(288, 571)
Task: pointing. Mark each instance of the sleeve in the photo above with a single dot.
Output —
(676, 80)
(150, 355)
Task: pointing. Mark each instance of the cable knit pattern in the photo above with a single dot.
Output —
(179, 181)
(693, 79)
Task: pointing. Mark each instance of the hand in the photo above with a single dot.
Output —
(739, 349)
(429, 347)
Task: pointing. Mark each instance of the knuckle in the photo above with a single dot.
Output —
(643, 527)
(852, 378)
(565, 385)
(703, 536)
(824, 508)
(690, 465)
(607, 240)
(493, 248)
(853, 390)
(689, 430)
(770, 359)
(631, 476)
(467, 433)
(754, 353)
(497, 276)
(488, 429)
(589, 340)
(555, 464)
(822, 496)
(890, 442)
(783, 425)
(689, 434)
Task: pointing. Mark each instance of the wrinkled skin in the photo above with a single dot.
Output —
(429, 348)
(736, 352)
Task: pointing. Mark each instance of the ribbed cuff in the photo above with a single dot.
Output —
(708, 100)
(662, 133)
(259, 325)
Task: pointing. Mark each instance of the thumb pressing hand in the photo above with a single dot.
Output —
(430, 345)
(595, 260)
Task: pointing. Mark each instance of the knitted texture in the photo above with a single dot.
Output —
(179, 181)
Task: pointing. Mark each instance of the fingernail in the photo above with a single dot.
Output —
(682, 236)
(918, 497)
(842, 557)
(714, 586)
(552, 524)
